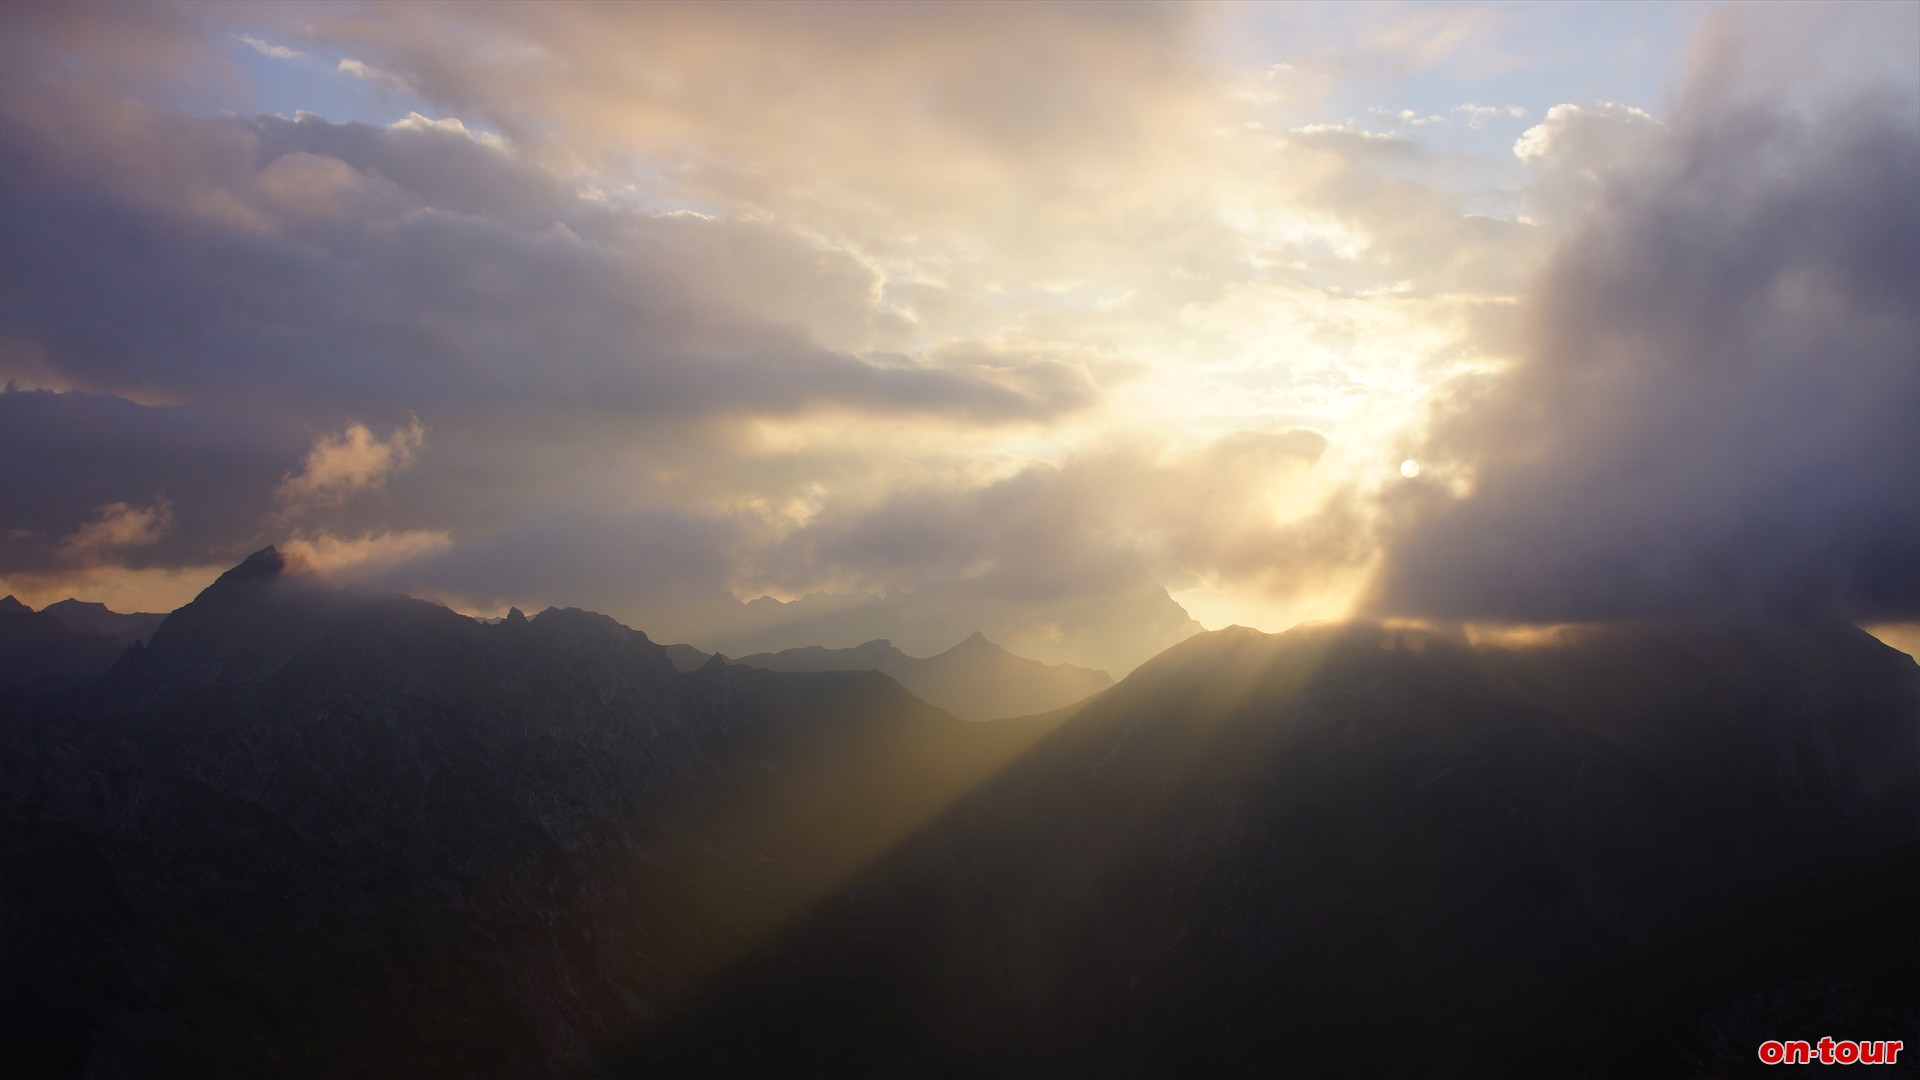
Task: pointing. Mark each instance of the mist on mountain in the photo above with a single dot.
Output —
(974, 680)
(1111, 632)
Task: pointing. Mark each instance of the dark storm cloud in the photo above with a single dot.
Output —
(1720, 402)
(62, 456)
(263, 283)
(300, 262)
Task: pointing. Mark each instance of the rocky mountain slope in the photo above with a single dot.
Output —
(312, 832)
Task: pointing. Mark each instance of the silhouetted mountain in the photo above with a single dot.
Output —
(686, 657)
(1319, 853)
(98, 619)
(1111, 632)
(308, 831)
(315, 832)
(10, 605)
(39, 650)
(974, 680)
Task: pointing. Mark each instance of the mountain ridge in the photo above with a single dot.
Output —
(974, 679)
(421, 843)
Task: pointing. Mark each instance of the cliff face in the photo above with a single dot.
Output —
(312, 832)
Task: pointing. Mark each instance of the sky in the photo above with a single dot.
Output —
(1084, 325)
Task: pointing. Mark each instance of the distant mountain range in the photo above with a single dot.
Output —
(306, 831)
(974, 680)
(1111, 632)
(65, 641)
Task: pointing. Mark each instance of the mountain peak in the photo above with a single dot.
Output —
(9, 603)
(73, 605)
(267, 564)
(976, 642)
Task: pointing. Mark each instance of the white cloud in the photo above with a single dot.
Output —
(120, 525)
(452, 125)
(1404, 117)
(267, 48)
(1588, 137)
(1350, 130)
(360, 69)
(1478, 115)
(367, 554)
(341, 465)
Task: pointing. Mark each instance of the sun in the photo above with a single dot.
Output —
(1409, 468)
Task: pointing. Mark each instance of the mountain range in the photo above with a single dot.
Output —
(1114, 631)
(974, 680)
(65, 641)
(311, 831)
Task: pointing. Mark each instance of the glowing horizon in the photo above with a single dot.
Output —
(1014, 314)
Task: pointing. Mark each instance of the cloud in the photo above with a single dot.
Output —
(1715, 408)
(956, 301)
(422, 265)
(342, 465)
(65, 455)
(117, 526)
(1404, 117)
(1589, 139)
(1241, 509)
(347, 558)
(277, 52)
(1479, 115)
(1351, 140)
(413, 121)
(381, 77)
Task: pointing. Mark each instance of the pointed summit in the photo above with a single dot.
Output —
(515, 617)
(10, 605)
(263, 565)
(244, 625)
(976, 643)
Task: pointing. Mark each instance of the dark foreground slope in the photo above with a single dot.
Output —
(306, 832)
(974, 680)
(1355, 851)
(317, 833)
